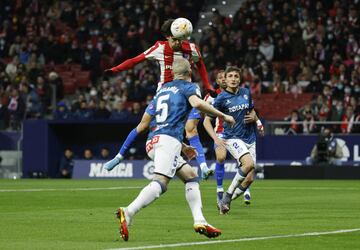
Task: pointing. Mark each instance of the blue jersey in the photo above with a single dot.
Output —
(172, 108)
(237, 105)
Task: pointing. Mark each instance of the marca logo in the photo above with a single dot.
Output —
(122, 170)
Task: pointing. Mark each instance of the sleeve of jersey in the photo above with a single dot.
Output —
(150, 109)
(201, 67)
(190, 90)
(129, 63)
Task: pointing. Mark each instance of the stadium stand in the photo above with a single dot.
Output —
(292, 53)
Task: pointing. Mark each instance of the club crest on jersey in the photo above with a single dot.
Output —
(246, 97)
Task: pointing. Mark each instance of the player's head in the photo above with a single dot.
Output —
(233, 77)
(181, 69)
(165, 29)
(220, 79)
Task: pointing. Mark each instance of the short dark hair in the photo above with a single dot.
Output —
(231, 69)
(165, 28)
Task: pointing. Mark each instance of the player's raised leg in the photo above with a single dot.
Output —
(140, 128)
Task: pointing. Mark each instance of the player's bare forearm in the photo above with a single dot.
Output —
(203, 106)
(209, 127)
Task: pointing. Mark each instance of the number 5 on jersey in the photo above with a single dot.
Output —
(162, 108)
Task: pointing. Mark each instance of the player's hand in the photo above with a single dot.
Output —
(220, 142)
(229, 119)
(108, 72)
(188, 151)
(250, 117)
(261, 130)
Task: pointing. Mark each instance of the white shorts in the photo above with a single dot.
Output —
(165, 151)
(238, 148)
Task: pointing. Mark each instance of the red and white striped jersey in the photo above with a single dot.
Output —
(165, 55)
(218, 122)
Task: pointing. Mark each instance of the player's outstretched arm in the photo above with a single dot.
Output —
(203, 106)
(127, 64)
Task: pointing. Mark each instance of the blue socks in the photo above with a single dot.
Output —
(219, 173)
(129, 140)
(195, 142)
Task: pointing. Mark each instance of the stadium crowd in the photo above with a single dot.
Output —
(281, 46)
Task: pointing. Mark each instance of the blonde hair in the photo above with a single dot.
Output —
(181, 68)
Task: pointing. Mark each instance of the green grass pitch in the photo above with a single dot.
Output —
(79, 214)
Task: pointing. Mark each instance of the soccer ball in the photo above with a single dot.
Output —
(181, 28)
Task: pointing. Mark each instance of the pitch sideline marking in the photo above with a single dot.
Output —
(137, 187)
(239, 240)
(65, 189)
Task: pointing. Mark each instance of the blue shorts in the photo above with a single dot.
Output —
(194, 114)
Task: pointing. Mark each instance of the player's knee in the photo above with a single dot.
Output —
(191, 128)
(191, 175)
(220, 158)
(162, 181)
(247, 164)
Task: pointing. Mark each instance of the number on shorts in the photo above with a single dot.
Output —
(163, 107)
(236, 146)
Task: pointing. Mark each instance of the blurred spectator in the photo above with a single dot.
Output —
(66, 164)
(57, 82)
(136, 112)
(295, 125)
(88, 154)
(16, 110)
(102, 112)
(120, 112)
(104, 154)
(62, 112)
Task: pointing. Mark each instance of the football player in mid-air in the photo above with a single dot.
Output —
(165, 52)
(172, 105)
(239, 140)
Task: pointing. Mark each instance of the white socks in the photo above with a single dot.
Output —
(193, 197)
(119, 156)
(147, 195)
(235, 183)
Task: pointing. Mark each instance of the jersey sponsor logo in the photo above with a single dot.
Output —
(227, 102)
(168, 66)
(121, 170)
(238, 107)
(246, 97)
